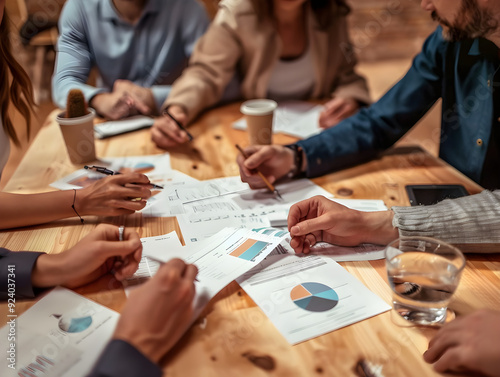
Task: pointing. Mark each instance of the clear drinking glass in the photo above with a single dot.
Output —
(423, 273)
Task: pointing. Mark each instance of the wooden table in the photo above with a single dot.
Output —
(233, 337)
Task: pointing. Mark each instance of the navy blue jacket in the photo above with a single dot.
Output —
(460, 73)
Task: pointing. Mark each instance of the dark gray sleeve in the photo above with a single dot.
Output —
(121, 359)
(21, 265)
(472, 219)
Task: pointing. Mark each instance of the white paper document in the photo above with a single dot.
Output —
(230, 253)
(155, 250)
(117, 127)
(299, 119)
(365, 205)
(307, 296)
(63, 334)
(198, 226)
(164, 247)
(230, 194)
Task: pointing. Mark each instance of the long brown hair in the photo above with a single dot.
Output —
(20, 90)
(322, 9)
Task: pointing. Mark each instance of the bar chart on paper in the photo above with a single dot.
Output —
(314, 297)
(249, 249)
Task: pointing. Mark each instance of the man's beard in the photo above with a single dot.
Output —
(472, 22)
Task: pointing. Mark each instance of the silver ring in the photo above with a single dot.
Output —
(121, 229)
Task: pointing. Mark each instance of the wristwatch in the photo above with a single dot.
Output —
(298, 159)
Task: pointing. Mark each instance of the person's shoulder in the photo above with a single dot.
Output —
(235, 14)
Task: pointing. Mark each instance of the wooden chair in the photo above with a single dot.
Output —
(41, 43)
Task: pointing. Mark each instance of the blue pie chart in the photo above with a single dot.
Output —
(314, 297)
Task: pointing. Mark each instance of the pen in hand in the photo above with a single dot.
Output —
(104, 170)
(179, 124)
(268, 184)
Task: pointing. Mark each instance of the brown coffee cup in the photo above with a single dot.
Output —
(259, 117)
(78, 135)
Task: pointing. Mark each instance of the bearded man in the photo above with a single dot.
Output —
(459, 63)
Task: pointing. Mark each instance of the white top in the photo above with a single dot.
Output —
(292, 79)
(4, 148)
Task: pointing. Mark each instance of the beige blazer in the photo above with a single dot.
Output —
(237, 43)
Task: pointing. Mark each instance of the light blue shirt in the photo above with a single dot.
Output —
(150, 53)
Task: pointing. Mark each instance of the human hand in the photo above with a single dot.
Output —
(319, 219)
(467, 344)
(94, 256)
(336, 110)
(160, 311)
(274, 161)
(165, 133)
(112, 106)
(142, 99)
(114, 195)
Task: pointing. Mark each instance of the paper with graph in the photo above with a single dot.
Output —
(63, 334)
(307, 296)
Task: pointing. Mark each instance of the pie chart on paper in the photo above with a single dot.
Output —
(314, 297)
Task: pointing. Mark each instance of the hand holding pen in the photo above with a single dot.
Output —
(262, 176)
(168, 130)
(118, 194)
(104, 170)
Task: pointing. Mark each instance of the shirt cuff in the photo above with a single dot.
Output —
(23, 262)
(160, 94)
(121, 359)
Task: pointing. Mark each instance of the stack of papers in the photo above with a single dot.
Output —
(304, 296)
(205, 207)
(227, 230)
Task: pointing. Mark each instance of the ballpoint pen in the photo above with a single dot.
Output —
(179, 124)
(268, 184)
(104, 170)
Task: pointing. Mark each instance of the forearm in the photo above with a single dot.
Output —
(49, 271)
(29, 209)
(63, 86)
(472, 219)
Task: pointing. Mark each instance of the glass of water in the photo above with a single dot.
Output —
(423, 273)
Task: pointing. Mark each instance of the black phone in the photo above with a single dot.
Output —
(432, 194)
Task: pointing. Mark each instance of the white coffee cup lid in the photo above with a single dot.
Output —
(258, 107)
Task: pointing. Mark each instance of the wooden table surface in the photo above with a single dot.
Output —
(233, 337)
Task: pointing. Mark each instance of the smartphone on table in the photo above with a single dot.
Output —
(432, 194)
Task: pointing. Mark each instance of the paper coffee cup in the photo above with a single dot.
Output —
(78, 135)
(259, 116)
